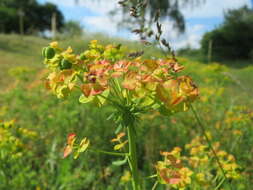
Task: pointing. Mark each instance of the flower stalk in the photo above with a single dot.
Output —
(133, 158)
(210, 145)
(106, 75)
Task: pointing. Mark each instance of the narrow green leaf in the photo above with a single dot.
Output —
(101, 98)
(76, 154)
(118, 129)
(83, 145)
(120, 146)
(120, 162)
(83, 99)
(110, 116)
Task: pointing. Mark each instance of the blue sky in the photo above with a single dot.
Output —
(93, 16)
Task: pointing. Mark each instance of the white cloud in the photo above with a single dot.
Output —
(102, 22)
(197, 28)
(210, 9)
(102, 7)
(191, 37)
(213, 8)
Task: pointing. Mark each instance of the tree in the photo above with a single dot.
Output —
(7, 16)
(233, 39)
(72, 28)
(36, 17)
(169, 10)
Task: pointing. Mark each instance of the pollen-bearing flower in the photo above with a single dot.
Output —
(106, 74)
(172, 172)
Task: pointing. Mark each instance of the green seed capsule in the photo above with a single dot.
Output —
(65, 64)
(82, 57)
(44, 52)
(49, 53)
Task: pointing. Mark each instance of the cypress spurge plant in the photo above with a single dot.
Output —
(109, 76)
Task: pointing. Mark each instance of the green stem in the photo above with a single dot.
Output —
(109, 153)
(133, 158)
(112, 101)
(152, 176)
(218, 186)
(80, 78)
(155, 185)
(209, 144)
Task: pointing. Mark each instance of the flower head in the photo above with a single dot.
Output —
(107, 72)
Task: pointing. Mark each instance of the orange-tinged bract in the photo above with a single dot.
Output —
(70, 143)
(171, 171)
(108, 75)
(198, 169)
(77, 148)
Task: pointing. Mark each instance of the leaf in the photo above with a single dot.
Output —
(96, 102)
(105, 94)
(110, 116)
(54, 44)
(174, 181)
(118, 129)
(9, 124)
(84, 144)
(62, 91)
(67, 151)
(86, 89)
(146, 101)
(83, 99)
(164, 111)
(120, 162)
(76, 155)
(71, 139)
(120, 146)
(126, 177)
(119, 136)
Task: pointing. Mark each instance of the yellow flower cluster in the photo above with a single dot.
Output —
(238, 116)
(105, 73)
(11, 139)
(202, 159)
(171, 170)
(199, 169)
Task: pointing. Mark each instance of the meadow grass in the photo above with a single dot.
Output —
(224, 106)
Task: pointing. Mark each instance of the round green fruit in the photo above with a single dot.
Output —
(49, 53)
(82, 57)
(65, 64)
(44, 52)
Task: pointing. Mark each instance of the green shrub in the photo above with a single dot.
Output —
(233, 39)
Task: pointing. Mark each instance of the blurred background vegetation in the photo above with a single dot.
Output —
(34, 124)
(233, 39)
(27, 16)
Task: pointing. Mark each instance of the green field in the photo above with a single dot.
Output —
(31, 149)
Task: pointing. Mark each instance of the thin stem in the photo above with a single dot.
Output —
(110, 100)
(214, 180)
(218, 186)
(209, 143)
(109, 153)
(133, 158)
(155, 185)
(80, 78)
(130, 164)
(152, 176)
(117, 90)
(164, 53)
